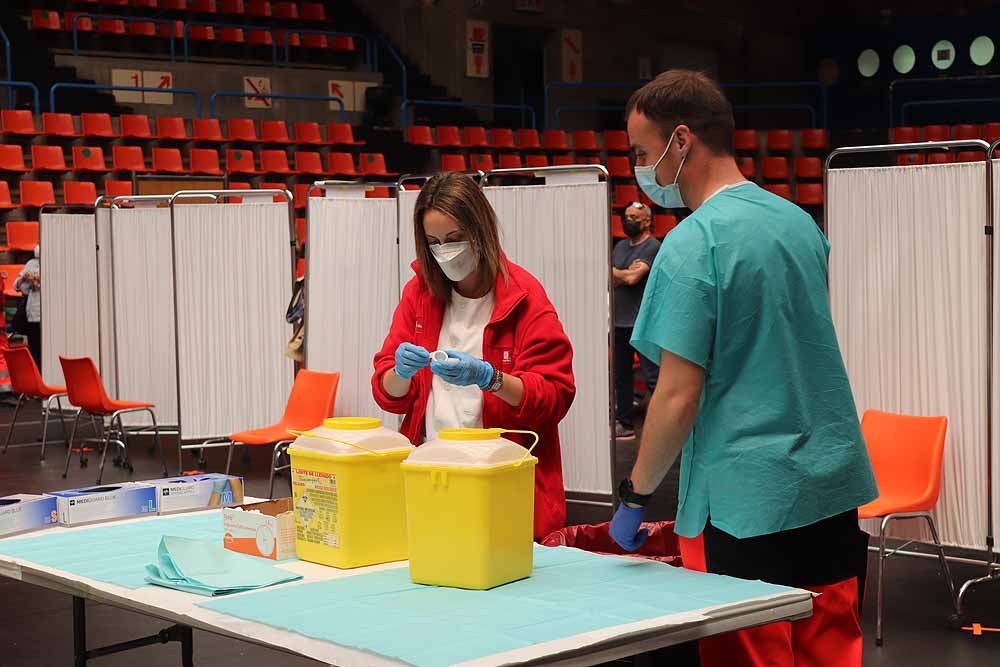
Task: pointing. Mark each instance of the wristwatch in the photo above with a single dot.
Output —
(627, 494)
(497, 382)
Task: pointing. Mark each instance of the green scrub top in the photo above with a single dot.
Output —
(740, 288)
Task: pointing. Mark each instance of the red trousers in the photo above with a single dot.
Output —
(831, 637)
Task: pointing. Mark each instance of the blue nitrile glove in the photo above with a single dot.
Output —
(410, 358)
(625, 527)
(463, 370)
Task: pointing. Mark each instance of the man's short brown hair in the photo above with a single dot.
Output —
(685, 97)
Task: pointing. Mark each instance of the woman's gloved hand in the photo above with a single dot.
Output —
(625, 527)
(463, 370)
(410, 358)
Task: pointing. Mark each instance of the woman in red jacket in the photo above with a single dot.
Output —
(510, 363)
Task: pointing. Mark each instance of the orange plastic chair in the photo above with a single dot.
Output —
(97, 125)
(89, 158)
(448, 137)
(58, 125)
(168, 161)
(242, 129)
(510, 161)
(906, 453)
(308, 162)
(341, 134)
(453, 163)
(501, 137)
(311, 401)
(86, 392)
(9, 273)
(207, 129)
(307, 133)
(48, 158)
(481, 161)
(26, 382)
(171, 127)
(12, 158)
(128, 158)
(240, 161)
(17, 121)
(36, 194)
(113, 188)
(205, 161)
(274, 132)
(135, 126)
(616, 141)
(23, 235)
(274, 162)
(79, 193)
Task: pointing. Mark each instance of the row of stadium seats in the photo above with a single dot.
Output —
(780, 141)
(909, 134)
(450, 136)
(279, 9)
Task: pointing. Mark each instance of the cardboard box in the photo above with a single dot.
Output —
(105, 503)
(264, 529)
(197, 492)
(24, 511)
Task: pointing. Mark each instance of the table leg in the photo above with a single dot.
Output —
(79, 632)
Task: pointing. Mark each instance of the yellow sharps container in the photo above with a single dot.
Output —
(347, 490)
(470, 506)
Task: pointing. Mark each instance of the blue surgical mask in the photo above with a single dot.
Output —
(667, 196)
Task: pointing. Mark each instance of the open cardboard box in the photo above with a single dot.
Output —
(265, 529)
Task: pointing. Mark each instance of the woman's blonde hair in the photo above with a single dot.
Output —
(458, 196)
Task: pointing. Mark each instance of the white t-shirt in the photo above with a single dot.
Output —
(462, 329)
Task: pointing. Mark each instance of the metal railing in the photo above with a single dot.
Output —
(127, 19)
(36, 97)
(273, 96)
(404, 119)
(934, 103)
(141, 89)
(10, 68)
(234, 26)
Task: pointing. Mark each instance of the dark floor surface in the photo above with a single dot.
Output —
(38, 629)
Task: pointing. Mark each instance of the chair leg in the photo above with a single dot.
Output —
(72, 437)
(229, 455)
(10, 429)
(881, 580)
(62, 422)
(123, 443)
(945, 570)
(275, 460)
(104, 451)
(159, 444)
(47, 409)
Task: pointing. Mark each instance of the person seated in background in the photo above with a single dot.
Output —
(510, 361)
(28, 319)
(631, 259)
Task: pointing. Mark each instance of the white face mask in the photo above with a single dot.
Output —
(457, 260)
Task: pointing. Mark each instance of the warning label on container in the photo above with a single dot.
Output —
(316, 507)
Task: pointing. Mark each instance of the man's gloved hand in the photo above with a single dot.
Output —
(410, 358)
(625, 527)
(463, 370)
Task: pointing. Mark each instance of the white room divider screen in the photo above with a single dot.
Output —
(233, 284)
(908, 288)
(352, 288)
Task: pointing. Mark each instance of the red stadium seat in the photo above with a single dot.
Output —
(746, 140)
(342, 43)
(260, 8)
(937, 133)
(79, 193)
(201, 33)
(37, 193)
(586, 140)
(237, 185)
(663, 224)
(240, 161)
(940, 158)
(774, 168)
(308, 162)
(624, 195)
(146, 4)
(813, 140)
(113, 188)
(971, 156)
(619, 167)
(528, 140)
(555, 140)
(286, 10)
(341, 164)
(565, 159)
(617, 230)
(907, 159)
(300, 223)
(301, 193)
(274, 162)
(172, 30)
(616, 141)
(204, 6)
(127, 158)
(453, 163)
(135, 126)
(168, 161)
(747, 166)
(991, 132)
(378, 192)
(510, 161)
(448, 136)
(278, 199)
(97, 125)
(260, 37)
(373, 164)
(780, 189)
(294, 39)
(12, 158)
(84, 24)
(313, 11)
(474, 137)
(207, 129)
(6, 203)
(582, 159)
(501, 137)
(274, 132)
(204, 161)
(481, 161)
(242, 129)
(313, 41)
(536, 161)
(89, 158)
(808, 167)
(235, 7)
(58, 125)
(111, 26)
(809, 194)
(341, 134)
(43, 19)
(779, 141)
(176, 5)
(905, 135)
(17, 121)
(968, 132)
(419, 135)
(231, 35)
(307, 133)
(48, 158)
(171, 127)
